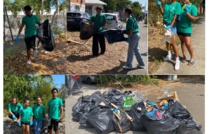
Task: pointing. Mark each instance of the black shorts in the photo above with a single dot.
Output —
(184, 34)
(16, 114)
(28, 123)
(30, 42)
(54, 123)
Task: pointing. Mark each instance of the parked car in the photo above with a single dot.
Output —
(113, 21)
(75, 19)
(89, 79)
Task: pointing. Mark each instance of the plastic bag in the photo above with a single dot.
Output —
(137, 112)
(188, 126)
(114, 96)
(123, 125)
(113, 36)
(87, 31)
(97, 98)
(101, 120)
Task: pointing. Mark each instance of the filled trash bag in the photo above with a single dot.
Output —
(122, 125)
(87, 31)
(137, 113)
(97, 99)
(113, 36)
(188, 126)
(177, 110)
(46, 36)
(101, 120)
(167, 125)
(114, 96)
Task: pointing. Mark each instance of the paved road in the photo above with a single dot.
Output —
(143, 46)
(191, 95)
(198, 43)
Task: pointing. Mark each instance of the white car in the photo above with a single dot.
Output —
(113, 21)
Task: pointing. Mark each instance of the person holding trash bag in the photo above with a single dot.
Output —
(184, 27)
(26, 117)
(170, 13)
(98, 21)
(14, 108)
(55, 111)
(30, 22)
(132, 30)
(39, 112)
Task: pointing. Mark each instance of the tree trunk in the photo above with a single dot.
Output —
(56, 11)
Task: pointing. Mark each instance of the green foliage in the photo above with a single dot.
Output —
(137, 9)
(31, 86)
(122, 4)
(111, 5)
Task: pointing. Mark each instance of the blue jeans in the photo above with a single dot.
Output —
(133, 49)
(37, 126)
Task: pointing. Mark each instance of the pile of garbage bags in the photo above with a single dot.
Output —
(105, 113)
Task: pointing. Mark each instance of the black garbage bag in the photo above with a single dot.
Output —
(123, 125)
(87, 31)
(167, 125)
(101, 119)
(188, 126)
(137, 116)
(114, 96)
(97, 98)
(113, 36)
(46, 36)
(177, 110)
(81, 107)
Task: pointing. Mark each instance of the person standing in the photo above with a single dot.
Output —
(55, 111)
(26, 117)
(188, 15)
(39, 112)
(30, 22)
(170, 13)
(98, 21)
(203, 6)
(132, 30)
(14, 109)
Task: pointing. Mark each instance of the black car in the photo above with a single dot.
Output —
(75, 19)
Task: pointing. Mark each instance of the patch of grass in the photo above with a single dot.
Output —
(9, 52)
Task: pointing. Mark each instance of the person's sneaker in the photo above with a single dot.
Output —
(168, 57)
(35, 53)
(177, 64)
(29, 62)
(140, 66)
(126, 67)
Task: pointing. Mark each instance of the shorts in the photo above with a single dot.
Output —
(28, 123)
(30, 42)
(184, 34)
(54, 123)
(174, 30)
(16, 114)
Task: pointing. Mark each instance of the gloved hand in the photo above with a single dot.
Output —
(17, 38)
(168, 27)
(128, 40)
(186, 9)
(36, 47)
(159, 3)
(13, 116)
(59, 120)
(31, 123)
(19, 123)
(100, 29)
(21, 108)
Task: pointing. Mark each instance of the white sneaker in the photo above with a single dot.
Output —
(177, 64)
(29, 62)
(35, 53)
(126, 67)
(168, 57)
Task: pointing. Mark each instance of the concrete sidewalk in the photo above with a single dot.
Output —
(198, 43)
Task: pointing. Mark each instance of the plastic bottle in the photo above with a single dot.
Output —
(165, 93)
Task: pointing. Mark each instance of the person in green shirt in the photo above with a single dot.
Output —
(55, 111)
(98, 21)
(39, 112)
(132, 30)
(184, 27)
(170, 13)
(30, 22)
(14, 108)
(26, 117)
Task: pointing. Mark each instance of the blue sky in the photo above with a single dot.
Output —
(58, 80)
(143, 2)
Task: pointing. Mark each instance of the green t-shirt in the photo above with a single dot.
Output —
(54, 108)
(184, 25)
(39, 112)
(98, 21)
(132, 24)
(14, 108)
(170, 10)
(26, 114)
(30, 23)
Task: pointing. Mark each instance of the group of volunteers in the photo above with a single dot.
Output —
(178, 17)
(99, 21)
(27, 116)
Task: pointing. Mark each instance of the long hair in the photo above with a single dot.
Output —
(13, 99)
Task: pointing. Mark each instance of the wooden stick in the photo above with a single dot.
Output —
(129, 117)
(117, 115)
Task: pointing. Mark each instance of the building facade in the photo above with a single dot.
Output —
(76, 6)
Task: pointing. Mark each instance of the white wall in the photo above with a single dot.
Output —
(76, 7)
